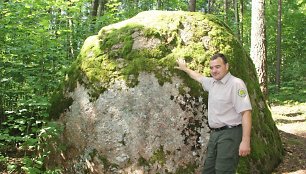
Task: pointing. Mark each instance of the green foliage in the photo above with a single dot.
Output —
(34, 40)
(292, 92)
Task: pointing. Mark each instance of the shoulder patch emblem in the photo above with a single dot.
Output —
(242, 92)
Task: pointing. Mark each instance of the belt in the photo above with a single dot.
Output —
(224, 127)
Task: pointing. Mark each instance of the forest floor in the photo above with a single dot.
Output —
(290, 119)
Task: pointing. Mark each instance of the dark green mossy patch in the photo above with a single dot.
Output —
(188, 169)
(73, 76)
(106, 163)
(216, 21)
(143, 162)
(244, 166)
(59, 104)
(120, 37)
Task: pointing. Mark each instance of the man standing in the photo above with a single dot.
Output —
(229, 116)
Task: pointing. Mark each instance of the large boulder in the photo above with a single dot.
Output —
(125, 109)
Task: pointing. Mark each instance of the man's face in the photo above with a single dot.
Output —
(218, 69)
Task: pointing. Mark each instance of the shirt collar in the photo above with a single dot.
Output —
(224, 79)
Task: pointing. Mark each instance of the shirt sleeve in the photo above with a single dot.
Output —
(240, 97)
(206, 83)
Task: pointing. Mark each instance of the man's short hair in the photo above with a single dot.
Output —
(222, 56)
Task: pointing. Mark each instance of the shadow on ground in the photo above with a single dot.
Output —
(286, 121)
(295, 156)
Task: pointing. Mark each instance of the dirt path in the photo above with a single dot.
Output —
(291, 122)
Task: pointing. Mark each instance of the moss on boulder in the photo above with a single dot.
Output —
(129, 56)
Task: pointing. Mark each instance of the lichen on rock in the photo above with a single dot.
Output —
(130, 111)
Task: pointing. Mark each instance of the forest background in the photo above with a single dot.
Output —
(40, 39)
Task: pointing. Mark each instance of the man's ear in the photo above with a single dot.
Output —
(227, 66)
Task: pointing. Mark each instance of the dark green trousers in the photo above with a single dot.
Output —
(223, 151)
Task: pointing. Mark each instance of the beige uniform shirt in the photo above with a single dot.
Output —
(227, 98)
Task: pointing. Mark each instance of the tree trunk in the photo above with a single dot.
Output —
(101, 8)
(278, 44)
(94, 13)
(70, 40)
(159, 4)
(237, 20)
(258, 43)
(208, 6)
(225, 11)
(192, 5)
(241, 20)
(95, 5)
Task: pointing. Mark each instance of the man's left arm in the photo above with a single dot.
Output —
(245, 145)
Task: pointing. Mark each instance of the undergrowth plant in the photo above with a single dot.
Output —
(26, 137)
(292, 92)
